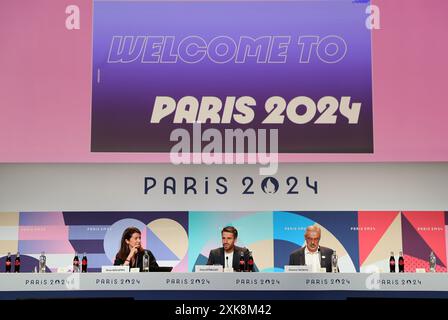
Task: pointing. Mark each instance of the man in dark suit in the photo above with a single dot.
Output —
(312, 254)
(229, 254)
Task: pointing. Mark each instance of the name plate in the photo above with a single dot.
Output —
(115, 269)
(208, 269)
(293, 269)
(420, 270)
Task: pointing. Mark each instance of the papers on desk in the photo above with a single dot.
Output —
(115, 269)
(292, 269)
(217, 268)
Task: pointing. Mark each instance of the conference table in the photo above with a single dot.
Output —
(166, 285)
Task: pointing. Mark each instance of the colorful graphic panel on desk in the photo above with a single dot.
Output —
(98, 234)
(362, 240)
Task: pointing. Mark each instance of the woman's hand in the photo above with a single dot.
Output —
(133, 252)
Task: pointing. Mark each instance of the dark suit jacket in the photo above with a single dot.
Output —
(297, 257)
(139, 261)
(216, 256)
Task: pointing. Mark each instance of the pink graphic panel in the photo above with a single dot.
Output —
(45, 85)
(412, 263)
(430, 226)
(372, 226)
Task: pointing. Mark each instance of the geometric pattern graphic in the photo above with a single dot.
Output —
(170, 240)
(9, 232)
(424, 232)
(372, 226)
(44, 232)
(254, 233)
(342, 236)
(363, 240)
(98, 234)
(289, 231)
(336, 233)
(380, 234)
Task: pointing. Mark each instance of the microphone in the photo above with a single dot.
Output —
(227, 262)
(136, 259)
(320, 256)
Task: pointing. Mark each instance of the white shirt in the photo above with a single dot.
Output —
(228, 259)
(312, 259)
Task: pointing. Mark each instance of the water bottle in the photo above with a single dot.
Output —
(432, 262)
(334, 262)
(392, 262)
(242, 264)
(76, 263)
(84, 263)
(17, 262)
(250, 262)
(146, 261)
(42, 263)
(401, 262)
(8, 263)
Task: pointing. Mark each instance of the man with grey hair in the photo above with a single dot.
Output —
(312, 254)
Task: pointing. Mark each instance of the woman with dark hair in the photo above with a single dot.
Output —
(131, 250)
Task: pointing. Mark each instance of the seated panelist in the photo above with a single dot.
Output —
(131, 251)
(312, 254)
(229, 254)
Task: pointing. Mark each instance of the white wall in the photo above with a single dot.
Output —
(114, 187)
